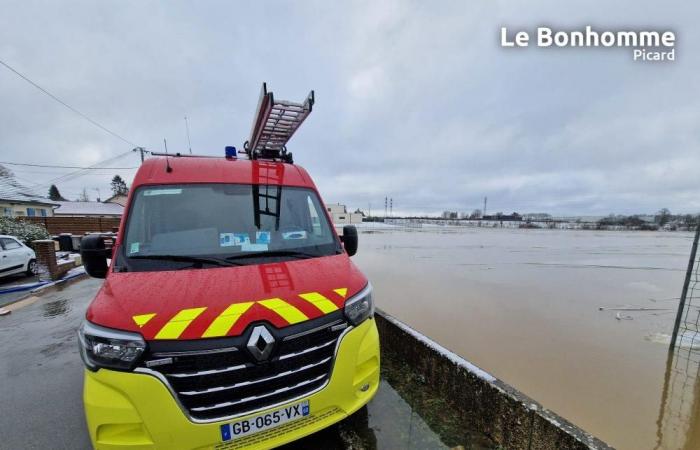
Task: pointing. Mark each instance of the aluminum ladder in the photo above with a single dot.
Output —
(274, 125)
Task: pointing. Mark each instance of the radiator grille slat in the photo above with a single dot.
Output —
(212, 385)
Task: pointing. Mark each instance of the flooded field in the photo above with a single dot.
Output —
(578, 320)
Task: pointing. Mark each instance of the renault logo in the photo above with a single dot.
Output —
(261, 343)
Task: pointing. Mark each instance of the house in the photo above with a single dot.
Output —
(119, 199)
(17, 200)
(88, 209)
(341, 216)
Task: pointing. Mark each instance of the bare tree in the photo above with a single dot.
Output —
(83, 197)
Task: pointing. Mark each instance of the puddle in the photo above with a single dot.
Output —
(59, 307)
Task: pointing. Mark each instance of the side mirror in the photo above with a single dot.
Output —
(349, 239)
(94, 255)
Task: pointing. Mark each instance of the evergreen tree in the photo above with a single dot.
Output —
(119, 186)
(55, 195)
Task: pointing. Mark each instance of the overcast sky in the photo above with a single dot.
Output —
(415, 100)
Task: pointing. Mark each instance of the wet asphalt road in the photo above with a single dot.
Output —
(42, 374)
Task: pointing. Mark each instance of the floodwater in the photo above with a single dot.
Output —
(525, 305)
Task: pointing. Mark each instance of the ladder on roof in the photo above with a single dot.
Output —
(267, 195)
(275, 123)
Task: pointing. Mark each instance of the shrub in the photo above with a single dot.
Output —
(24, 231)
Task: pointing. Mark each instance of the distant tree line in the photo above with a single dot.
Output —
(663, 219)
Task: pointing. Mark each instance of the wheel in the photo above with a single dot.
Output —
(32, 268)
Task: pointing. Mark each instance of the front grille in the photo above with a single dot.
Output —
(217, 378)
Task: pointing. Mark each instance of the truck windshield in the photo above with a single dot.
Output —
(202, 225)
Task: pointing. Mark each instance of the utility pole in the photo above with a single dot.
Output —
(391, 207)
(369, 209)
(385, 206)
(484, 213)
(187, 127)
(140, 150)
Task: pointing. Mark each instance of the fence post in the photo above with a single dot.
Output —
(46, 256)
(684, 293)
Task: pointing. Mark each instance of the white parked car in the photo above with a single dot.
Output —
(15, 257)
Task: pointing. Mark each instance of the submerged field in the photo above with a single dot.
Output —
(578, 320)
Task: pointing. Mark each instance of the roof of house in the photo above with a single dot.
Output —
(114, 196)
(89, 209)
(13, 191)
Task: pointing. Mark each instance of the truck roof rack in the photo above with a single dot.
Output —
(275, 123)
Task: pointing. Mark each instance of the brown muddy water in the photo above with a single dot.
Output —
(525, 305)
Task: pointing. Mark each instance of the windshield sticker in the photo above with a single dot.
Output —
(289, 235)
(226, 240)
(241, 239)
(150, 192)
(262, 237)
(134, 247)
(248, 247)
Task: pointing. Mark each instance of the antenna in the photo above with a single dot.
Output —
(167, 161)
(187, 127)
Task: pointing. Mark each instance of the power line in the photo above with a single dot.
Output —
(65, 167)
(80, 172)
(33, 189)
(94, 122)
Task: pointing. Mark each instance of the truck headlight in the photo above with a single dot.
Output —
(360, 306)
(108, 348)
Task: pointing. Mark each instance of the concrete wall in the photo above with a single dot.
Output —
(487, 404)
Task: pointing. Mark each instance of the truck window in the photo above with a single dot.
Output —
(248, 224)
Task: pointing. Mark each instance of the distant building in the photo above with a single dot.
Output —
(88, 209)
(119, 199)
(341, 216)
(515, 217)
(17, 200)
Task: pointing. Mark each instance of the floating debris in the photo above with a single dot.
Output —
(641, 308)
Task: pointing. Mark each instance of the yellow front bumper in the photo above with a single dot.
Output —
(137, 411)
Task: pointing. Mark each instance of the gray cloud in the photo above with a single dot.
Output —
(415, 101)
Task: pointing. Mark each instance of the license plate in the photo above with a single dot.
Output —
(265, 421)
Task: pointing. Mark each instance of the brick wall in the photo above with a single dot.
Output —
(76, 225)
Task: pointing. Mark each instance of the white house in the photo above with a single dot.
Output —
(341, 216)
(18, 201)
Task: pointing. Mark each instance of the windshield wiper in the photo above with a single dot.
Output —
(186, 258)
(292, 253)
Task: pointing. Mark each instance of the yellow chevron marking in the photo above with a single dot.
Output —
(319, 301)
(341, 291)
(143, 319)
(174, 328)
(284, 309)
(223, 323)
